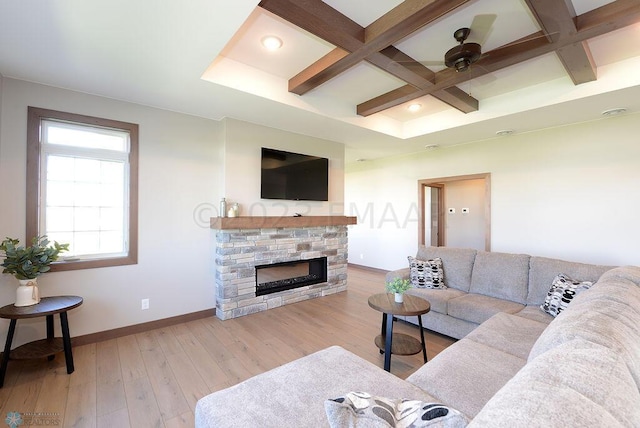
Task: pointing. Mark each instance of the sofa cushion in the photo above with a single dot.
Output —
(267, 399)
(535, 313)
(478, 308)
(501, 275)
(457, 264)
(542, 270)
(445, 324)
(563, 290)
(466, 375)
(508, 333)
(361, 409)
(426, 273)
(577, 384)
(608, 314)
(437, 298)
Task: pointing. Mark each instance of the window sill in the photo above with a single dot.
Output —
(93, 263)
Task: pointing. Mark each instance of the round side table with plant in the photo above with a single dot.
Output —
(27, 263)
(398, 286)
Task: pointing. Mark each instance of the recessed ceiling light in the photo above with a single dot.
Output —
(614, 111)
(431, 146)
(271, 43)
(414, 107)
(504, 132)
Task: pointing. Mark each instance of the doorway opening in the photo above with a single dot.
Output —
(455, 211)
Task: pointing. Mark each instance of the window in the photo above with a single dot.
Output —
(82, 187)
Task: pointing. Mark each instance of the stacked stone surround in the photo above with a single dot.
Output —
(239, 251)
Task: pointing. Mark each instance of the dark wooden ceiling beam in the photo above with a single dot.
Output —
(602, 20)
(320, 19)
(405, 19)
(325, 22)
(557, 19)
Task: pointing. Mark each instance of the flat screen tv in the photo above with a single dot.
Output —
(294, 176)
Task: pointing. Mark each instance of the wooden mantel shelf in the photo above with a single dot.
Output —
(282, 222)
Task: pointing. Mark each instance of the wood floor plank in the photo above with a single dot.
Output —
(191, 383)
(84, 361)
(26, 389)
(167, 340)
(142, 404)
(185, 420)
(213, 376)
(131, 362)
(110, 387)
(171, 401)
(81, 405)
(54, 391)
(119, 418)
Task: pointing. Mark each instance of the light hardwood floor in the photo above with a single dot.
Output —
(154, 379)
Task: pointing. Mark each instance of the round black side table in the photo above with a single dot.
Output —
(48, 307)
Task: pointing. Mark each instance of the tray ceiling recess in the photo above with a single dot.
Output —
(561, 30)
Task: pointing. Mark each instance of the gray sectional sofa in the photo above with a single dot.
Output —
(481, 284)
(514, 365)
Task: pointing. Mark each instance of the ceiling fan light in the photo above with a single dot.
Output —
(461, 65)
(462, 56)
(614, 111)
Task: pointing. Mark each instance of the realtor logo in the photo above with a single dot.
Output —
(14, 419)
(17, 419)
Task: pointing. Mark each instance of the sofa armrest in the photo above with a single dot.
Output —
(400, 273)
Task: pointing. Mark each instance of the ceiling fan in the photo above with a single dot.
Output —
(462, 56)
(465, 53)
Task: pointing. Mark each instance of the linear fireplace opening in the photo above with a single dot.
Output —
(283, 276)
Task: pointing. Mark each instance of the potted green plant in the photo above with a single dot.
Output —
(27, 263)
(398, 286)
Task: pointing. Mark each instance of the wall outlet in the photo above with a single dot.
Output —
(465, 211)
(452, 210)
(144, 304)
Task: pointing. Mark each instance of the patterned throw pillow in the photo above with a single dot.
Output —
(562, 291)
(426, 273)
(360, 409)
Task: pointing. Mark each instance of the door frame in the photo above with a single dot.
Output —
(423, 213)
(440, 183)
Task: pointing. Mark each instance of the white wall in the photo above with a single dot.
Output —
(568, 192)
(465, 230)
(243, 142)
(179, 181)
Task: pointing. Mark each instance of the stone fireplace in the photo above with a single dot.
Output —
(294, 258)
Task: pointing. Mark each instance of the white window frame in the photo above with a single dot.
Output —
(38, 149)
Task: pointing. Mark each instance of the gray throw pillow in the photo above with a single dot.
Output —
(563, 290)
(426, 273)
(360, 409)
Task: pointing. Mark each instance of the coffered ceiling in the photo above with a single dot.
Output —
(347, 70)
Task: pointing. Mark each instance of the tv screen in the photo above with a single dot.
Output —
(294, 176)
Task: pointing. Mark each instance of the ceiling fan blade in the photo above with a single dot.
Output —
(481, 27)
(432, 63)
(539, 35)
(482, 78)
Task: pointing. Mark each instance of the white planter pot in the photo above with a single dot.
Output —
(27, 293)
(399, 297)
